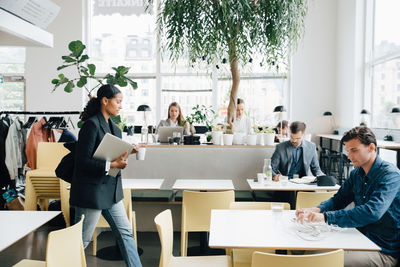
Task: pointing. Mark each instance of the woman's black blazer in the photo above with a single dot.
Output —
(91, 187)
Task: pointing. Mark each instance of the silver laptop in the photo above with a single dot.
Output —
(167, 131)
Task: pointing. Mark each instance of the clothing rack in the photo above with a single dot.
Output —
(41, 112)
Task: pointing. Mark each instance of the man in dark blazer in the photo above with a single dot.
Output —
(296, 156)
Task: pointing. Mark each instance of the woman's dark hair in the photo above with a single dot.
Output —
(93, 106)
(240, 101)
(180, 116)
(297, 126)
(362, 133)
(282, 124)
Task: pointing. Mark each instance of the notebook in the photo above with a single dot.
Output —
(110, 148)
(303, 180)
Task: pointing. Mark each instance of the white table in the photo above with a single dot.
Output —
(265, 229)
(203, 184)
(14, 225)
(142, 184)
(277, 186)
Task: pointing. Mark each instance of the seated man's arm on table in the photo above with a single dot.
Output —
(275, 162)
(339, 201)
(314, 165)
(380, 200)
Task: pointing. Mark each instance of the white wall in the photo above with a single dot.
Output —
(350, 57)
(313, 73)
(41, 63)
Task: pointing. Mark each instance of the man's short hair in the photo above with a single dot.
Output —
(362, 133)
(240, 101)
(297, 126)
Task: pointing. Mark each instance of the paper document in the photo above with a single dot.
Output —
(303, 180)
(110, 148)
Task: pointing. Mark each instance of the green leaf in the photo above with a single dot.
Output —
(80, 124)
(92, 69)
(68, 87)
(134, 85)
(83, 58)
(61, 76)
(76, 47)
(68, 59)
(122, 82)
(82, 81)
(54, 81)
(62, 67)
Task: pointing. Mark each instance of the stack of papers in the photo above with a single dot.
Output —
(303, 180)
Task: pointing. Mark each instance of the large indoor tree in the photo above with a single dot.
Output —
(238, 29)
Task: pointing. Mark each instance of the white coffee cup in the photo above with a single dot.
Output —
(141, 153)
(260, 178)
(284, 180)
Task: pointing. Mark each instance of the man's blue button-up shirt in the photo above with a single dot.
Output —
(377, 205)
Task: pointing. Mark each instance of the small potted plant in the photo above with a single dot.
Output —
(228, 135)
(217, 132)
(269, 136)
(258, 131)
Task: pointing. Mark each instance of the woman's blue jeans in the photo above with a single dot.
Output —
(120, 226)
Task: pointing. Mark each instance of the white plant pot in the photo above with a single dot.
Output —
(228, 139)
(251, 139)
(238, 138)
(216, 138)
(269, 139)
(260, 139)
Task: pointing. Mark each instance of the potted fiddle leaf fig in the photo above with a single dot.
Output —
(87, 71)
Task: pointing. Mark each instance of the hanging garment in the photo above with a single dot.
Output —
(4, 175)
(15, 148)
(37, 134)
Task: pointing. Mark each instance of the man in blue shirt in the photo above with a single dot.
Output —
(374, 187)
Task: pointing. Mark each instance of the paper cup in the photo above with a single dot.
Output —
(140, 155)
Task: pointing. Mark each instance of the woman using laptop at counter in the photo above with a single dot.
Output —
(175, 118)
(93, 191)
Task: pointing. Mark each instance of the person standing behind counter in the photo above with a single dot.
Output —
(242, 122)
(93, 191)
(175, 118)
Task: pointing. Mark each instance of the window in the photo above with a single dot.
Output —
(121, 33)
(384, 64)
(12, 82)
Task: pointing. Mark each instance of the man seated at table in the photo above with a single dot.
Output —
(374, 187)
(296, 156)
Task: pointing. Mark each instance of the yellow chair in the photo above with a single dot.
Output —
(311, 199)
(329, 259)
(242, 257)
(64, 191)
(165, 231)
(64, 196)
(102, 223)
(64, 249)
(42, 183)
(196, 212)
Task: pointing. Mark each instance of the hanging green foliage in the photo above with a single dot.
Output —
(213, 29)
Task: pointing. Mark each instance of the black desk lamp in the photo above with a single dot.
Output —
(280, 110)
(393, 111)
(333, 125)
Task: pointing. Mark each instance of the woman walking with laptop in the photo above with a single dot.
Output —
(93, 191)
